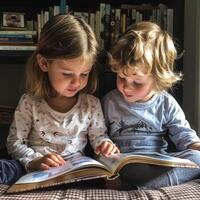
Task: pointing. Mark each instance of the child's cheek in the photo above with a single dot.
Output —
(119, 85)
(84, 83)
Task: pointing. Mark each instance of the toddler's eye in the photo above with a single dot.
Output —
(120, 78)
(138, 84)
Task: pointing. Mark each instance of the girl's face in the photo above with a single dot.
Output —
(138, 87)
(68, 76)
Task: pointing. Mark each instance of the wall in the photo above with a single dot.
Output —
(191, 68)
(11, 83)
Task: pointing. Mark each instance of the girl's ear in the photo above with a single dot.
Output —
(42, 62)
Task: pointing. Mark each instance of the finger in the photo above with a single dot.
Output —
(112, 150)
(104, 146)
(97, 151)
(50, 162)
(60, 160)
(116, 149)
(108, 149)
(56, 158)
(44, 166)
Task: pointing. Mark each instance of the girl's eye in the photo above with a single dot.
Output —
(67, 75)
(85, 75)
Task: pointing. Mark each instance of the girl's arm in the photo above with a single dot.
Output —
(97, 131)
(18, 138)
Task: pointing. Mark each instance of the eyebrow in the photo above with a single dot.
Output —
(67, 70)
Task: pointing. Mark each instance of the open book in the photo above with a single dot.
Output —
(79, 168)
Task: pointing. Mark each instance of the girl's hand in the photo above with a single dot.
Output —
(46, 162)
(107, 149)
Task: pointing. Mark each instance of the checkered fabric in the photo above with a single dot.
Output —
(189, 191)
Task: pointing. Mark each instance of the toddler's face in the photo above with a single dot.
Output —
(69, 76)
(137, 87)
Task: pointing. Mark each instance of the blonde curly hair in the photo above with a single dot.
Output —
(145, 43)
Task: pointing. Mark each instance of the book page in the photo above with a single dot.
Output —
(74, 163)
(115, 163)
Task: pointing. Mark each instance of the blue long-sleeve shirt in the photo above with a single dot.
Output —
(142, 126)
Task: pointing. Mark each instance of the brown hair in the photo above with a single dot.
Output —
(64, 37)
(146, 43)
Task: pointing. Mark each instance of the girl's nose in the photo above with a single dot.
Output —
(76, 81)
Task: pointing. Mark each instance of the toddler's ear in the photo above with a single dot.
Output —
(42, 62)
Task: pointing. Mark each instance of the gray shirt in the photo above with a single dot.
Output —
(142, 126)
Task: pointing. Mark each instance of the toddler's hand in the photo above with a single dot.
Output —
(195, 146)
(46, 162)
(107, 149)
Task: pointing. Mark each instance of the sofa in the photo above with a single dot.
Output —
(82, 191)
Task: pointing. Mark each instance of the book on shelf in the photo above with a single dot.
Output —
(107, 26)
(17, 32)
(170, 20)
(63, 6)
(14, 47)
(107, 20)
(13, 28)
(117, 31)
(17, 43)
(102, 9)
(15, 40)
(79, 168)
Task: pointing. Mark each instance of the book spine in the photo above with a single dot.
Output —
(92, 21)
(112, 26)
(102, 24)
(17, 48)
(117, 23)
(133, 14)
(170, 20)
(56, 10)
(107, 27)
(62, 6)
(97, 25)
(123, 20)
(15, 39)
(15, 36)
(39, 27)
(18, 32)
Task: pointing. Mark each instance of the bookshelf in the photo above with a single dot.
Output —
(33, 8)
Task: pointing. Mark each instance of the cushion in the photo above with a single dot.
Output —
(190, 190)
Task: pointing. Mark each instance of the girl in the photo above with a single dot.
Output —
(140, 112)
(54, 118)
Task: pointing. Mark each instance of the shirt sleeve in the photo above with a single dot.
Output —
(105, 107)
(180, 131)
(97, 129)
(17, 141)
